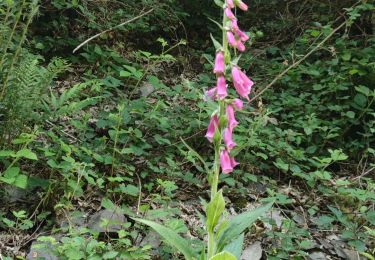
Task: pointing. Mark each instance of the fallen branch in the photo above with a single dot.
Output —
(112, 28)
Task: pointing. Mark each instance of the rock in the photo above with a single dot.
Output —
(299, 219)
(106, 221)
(75, 219)
(317, 256)
(252, 252)
(351, 255)
(16, 195)
(146, 89)
(152, 239)
(42, 250)
(276, 216)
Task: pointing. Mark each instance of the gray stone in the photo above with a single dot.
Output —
(317, 256)
(106, 221)
(146, 89)
(15, 195)
(351, 255)
(152, 239)
(276, 216)
(75, 219)
(42, 250)
(252, 252)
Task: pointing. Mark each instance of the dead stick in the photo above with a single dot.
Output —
(112, 28)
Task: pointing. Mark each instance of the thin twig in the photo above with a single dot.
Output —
(112, 28)
(364, 174)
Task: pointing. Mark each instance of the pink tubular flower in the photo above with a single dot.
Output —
(241, 5)
(221, 87)
(240, 46)
(233, 162)
(230, 3)
(228, 139)
(214, 123)
(243, 36)
(241, 82)
(210, 94)
(229, 14)
(237, 103)
(232, 122)
(227, 163)
(231, 40)
(234, 25)
(219, 63)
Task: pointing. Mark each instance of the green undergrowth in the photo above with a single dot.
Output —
(107, 132)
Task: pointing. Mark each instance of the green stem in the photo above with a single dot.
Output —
(216, 168)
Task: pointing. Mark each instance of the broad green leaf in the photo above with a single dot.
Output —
(6, 153)
(108, 204)
(171, 237)
(11, 172)
(214, 210)
(235, 247)
(21, 181)
(364, 90)
(110, 255)
(27, 153)
(238, 224)
(223, 256)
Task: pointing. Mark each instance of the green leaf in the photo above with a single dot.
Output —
(171, 237)
(27, 153)
(21, 181)
(220, 26)
(108, 204)
(219, 3)
(216, 43)
(238, 224)
(214, 210)
(360, 100)
(6, 153)
(110, 255)
(223, 256)
(350, 114)
(235, 247)
(364, 90)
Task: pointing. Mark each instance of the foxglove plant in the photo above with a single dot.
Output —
(224, 237)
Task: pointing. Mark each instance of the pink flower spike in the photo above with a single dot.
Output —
(214, 123)
(231, 40)
(221, 87)
(237, 103)
(219, 63)
(232, 122)
(225, 162)
(241, 82)
(230, 3)
(240, 46)
(241, 5)
(210, 94)
(229, 14)
(228, 139)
